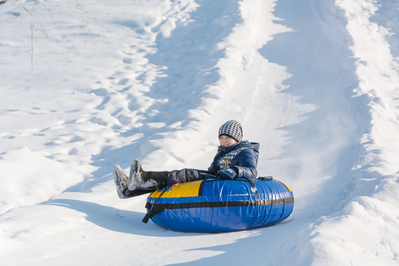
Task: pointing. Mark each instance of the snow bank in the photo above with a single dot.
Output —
(29, 178)
(366, 230)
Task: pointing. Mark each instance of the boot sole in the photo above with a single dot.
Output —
(133, 179)
(120, 181)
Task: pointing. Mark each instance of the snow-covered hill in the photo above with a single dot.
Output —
(88, 84)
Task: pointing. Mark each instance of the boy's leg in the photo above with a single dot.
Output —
(145, 180)
(141, 182)
(183, 176)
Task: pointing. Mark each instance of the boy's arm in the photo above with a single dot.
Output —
(247, 163)
(211, 169)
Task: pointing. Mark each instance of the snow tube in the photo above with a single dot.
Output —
(220, 205)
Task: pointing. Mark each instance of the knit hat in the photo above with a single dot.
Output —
(232, 129)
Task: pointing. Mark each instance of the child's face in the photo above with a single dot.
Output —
(226, 141)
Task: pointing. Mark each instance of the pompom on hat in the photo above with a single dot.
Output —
(232, 129)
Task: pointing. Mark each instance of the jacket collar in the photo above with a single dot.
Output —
(245, 143)
(240, 144)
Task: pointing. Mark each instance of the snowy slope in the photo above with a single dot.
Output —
(88, 84)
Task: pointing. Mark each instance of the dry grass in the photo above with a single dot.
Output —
(32, 26)
(43, 29)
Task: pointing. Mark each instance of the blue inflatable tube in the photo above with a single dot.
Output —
(220, 205)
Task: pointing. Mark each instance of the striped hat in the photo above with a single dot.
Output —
(232, 129)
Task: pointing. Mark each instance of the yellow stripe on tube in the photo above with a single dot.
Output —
(189, 189)
(286, 186)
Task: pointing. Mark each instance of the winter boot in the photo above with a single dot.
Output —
(142, 180)
(120, 180)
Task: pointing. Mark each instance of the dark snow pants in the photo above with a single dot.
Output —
(183, 176)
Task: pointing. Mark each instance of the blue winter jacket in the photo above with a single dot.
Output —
(243, 156)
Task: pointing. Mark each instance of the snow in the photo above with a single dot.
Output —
(88, 84)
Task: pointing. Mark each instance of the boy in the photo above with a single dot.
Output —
(235, 159)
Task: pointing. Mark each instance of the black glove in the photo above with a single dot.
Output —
(228, 174)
